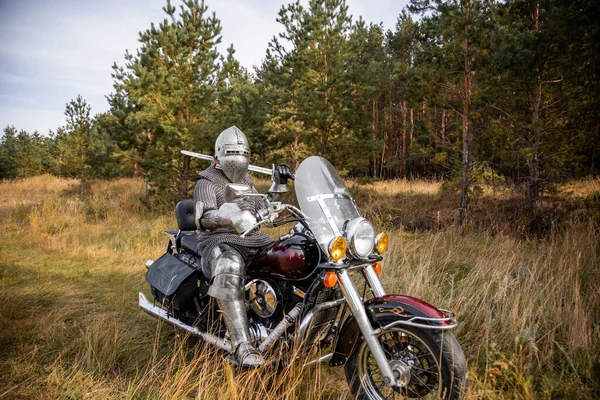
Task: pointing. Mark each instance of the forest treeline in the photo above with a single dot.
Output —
(461, 90)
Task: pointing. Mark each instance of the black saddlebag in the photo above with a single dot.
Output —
(173, 282)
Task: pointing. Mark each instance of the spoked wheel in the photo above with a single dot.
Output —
(429, 364)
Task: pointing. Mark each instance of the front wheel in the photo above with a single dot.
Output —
(430, 364)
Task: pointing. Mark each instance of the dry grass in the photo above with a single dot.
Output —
(430, 205)
(582, 188)
(393, 187)
(70, 271)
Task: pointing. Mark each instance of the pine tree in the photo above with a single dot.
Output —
(30, 154)
(448, 30)
(9, 167)
(369, 73)
(411, 82)
(315, 91)
(167, 92)
(79, 139)
(23, 154)
(577, 34)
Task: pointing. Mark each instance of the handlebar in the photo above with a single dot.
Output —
(271, 213)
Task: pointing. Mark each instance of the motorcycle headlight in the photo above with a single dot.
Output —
(360, 236)
(337, 248)
(381, 242)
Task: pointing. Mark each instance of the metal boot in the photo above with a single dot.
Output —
(227, 287)
(234, 314)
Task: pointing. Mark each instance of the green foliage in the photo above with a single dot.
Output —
(9, 167)
(377, 103)
(78, 140)
(166, 94)
(309, 81)
(23, 154)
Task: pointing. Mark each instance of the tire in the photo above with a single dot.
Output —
(436, 366)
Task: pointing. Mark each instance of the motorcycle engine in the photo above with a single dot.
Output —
(264, 297)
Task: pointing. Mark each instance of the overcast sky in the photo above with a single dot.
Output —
(51, 51)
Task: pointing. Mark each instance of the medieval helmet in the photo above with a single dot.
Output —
(233, 151)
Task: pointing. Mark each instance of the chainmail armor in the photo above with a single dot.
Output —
(210, 189)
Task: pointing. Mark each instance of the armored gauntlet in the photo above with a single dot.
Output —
(281, 174)
(229, 214)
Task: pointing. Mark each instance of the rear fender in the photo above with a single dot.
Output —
(380, 311)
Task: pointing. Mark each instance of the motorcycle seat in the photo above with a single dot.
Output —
(190, 243)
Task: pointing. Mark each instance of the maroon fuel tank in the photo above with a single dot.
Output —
(291, 259)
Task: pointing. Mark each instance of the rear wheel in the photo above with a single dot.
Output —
(430, 364)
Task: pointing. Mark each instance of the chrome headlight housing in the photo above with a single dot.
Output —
(360, 235)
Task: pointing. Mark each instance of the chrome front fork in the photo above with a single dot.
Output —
(374, 281)
(358, 311)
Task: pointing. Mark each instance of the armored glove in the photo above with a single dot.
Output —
(280, 178)
(229, 214)
(283, 172)
(241, 220)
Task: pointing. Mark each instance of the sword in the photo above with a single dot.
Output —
(262, 170)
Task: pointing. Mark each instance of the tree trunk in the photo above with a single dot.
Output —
(536, 127)
(374, 135)
(295, 152)
(410, 133)
(443, 127)
(536, 130)
(326, 106)
(386, 127)
(404, 110)
(595, 151)
(147, 189)
(82, 172)
(183, 189)
(464, 183)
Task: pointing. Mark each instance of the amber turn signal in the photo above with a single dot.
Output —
(337, 248)
(329, 279)
(382, 241)
(377, 268)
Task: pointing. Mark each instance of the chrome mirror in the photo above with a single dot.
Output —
(235, 191)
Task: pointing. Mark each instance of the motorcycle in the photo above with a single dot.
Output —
(301, 295)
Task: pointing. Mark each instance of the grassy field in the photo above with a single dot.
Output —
(526, 290)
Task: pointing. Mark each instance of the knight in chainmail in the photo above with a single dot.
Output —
(220, 243)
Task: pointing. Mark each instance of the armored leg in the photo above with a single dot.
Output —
(227, 266)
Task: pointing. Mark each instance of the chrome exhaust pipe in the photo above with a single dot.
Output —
(276, 333)
(160, 313)
(319, 360)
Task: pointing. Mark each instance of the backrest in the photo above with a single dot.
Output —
(185, 211)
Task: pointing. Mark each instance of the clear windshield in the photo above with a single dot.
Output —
(323, 197)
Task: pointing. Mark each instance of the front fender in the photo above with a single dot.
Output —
(379, 309)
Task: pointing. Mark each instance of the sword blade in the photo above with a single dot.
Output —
(262, 170)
